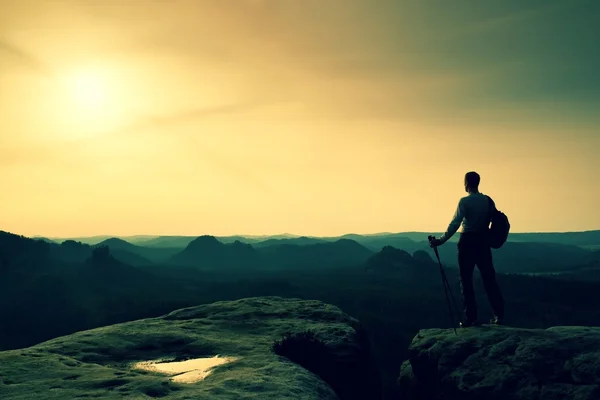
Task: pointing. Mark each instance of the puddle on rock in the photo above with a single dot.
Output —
(189, 371)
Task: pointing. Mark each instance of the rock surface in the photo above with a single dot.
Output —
(97, 363)
(493, 363)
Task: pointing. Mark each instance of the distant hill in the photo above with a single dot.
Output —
(127, 252)
(233, 239)
(91, 240)
(46, 290)
(71, 251)
(300, 241)
(523, 253)
(254, 238)
(94, 240)
(179, 242)
(182, 242)
(538, 256)
(390, 259)
(409, 241)
(208, 252)
(583, 239)
(526, 257)
(412, 236)
(400, 242)
(138, 239)
(341, 253)
(131, 258)
(75, 252)
(43, 239)
(104, 265)
(118, 244)
(16, 250)
(399, 263)
(373, 242)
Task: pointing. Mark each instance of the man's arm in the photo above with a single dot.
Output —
(457, 220)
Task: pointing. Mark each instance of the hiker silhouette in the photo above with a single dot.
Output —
(474, 213)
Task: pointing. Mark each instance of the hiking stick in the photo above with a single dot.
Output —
(447, 290)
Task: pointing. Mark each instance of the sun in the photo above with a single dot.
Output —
(91, 102)
(89, 89)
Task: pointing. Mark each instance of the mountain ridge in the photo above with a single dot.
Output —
(581, 238)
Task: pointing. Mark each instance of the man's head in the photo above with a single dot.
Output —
(472, 180)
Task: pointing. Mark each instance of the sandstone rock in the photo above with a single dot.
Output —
(98, 363)
(494, 363)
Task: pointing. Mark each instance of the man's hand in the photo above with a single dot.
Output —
(435, 242)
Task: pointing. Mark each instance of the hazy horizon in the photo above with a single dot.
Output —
(275, 234)
(319, 118)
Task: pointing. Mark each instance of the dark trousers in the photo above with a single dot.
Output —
(473, 249)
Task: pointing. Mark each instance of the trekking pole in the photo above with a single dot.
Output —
(447, 289)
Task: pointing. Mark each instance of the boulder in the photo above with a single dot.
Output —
(264, 335)
(496, 362)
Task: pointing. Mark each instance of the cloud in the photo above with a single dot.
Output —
(20, 57)
(217, 158)
(37, 155)
(66, 153)
(190, 115)
(505, 16)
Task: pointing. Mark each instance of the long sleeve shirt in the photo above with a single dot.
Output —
(473, 213)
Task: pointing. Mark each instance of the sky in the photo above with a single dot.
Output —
(312, 117)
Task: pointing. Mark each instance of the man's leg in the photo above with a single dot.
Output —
(488, 276)
(466, 263)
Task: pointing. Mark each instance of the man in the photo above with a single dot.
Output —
(474, 213)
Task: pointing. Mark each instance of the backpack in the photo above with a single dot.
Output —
(498, 231)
